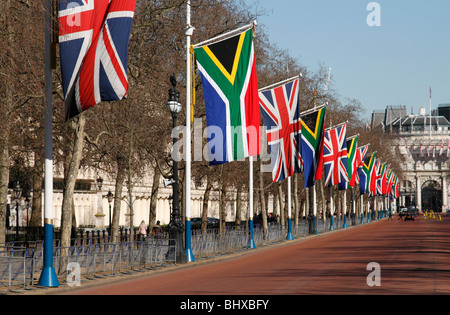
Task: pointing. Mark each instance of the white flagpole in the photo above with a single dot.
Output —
(315, 208)
(251, 241)
(290, 236)
(430, 112)
(362, 209)
(331, 210)
(345, 209)
(189, 32)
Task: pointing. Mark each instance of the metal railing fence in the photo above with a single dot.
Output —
(98, 257)
(20, 267)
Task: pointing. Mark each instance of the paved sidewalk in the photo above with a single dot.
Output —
(414, 259)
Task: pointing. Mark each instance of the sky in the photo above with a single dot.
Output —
(394, 63)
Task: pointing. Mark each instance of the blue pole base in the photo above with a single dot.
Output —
(315, 226)
(190, 255)
(345, 222)
(188, 236)
(362, 219)
(331, 224)
(251, 241)
(290, 236)
(48, 278)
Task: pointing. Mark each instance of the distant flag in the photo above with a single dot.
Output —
(384, 188)
(421, 150)
(313, 128)
(396, 187)
(360, 157)
(367, 180)
(230, 88)
(93, 40)
(442, 148)
(280, 109)
(335, 157)
(353, 161)
(390, 180)
(373, 178)
(377, 174)
(408, 151)
(448, 149)
(380, 177)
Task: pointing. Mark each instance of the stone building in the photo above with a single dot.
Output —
(424, 143)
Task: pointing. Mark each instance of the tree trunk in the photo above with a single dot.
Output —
(69, 188)
(120, 179)
(5, 113)
(238, 206)
(280, 200)
(262, 198)
(154, 198)
(4, 178)
(323, 202)
(223, 203)
(296, 204)
(205, 204)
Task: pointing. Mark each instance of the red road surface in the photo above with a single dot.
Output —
(414, 258)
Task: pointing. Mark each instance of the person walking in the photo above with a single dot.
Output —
(157, 230)
(143, 230)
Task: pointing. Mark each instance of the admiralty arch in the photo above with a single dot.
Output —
(423, 140)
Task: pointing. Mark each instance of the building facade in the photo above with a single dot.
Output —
(424, 143)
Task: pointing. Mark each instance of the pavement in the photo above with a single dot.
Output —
(388, 257)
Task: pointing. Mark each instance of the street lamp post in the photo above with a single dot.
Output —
(176, 226)
(110, 197)
(17, 196)
(27, 205)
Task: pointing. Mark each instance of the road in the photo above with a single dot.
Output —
(413, 259)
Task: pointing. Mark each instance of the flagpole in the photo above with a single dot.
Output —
(48, 276)
(251, 242)
(289, 235)
(362, 209)
(315, 208)
(430, 111)
(345, 209)
(188, 233)
(331, 209)
(228, 34)
(278, 84)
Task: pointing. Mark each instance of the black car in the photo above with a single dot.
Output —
(410, 216)
(413, 211)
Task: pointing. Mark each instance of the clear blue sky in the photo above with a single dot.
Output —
(393, 64)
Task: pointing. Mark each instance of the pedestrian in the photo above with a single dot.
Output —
(157, 230)
(400, 216)
(143, 230)
(390, 215)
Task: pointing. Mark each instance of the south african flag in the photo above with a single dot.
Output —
(230, 89)
(313, 132)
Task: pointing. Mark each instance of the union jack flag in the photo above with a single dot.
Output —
(93, 37)
(280, 109)
(335, 157)
(379, 168)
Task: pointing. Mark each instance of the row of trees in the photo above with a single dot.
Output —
(126, 139)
